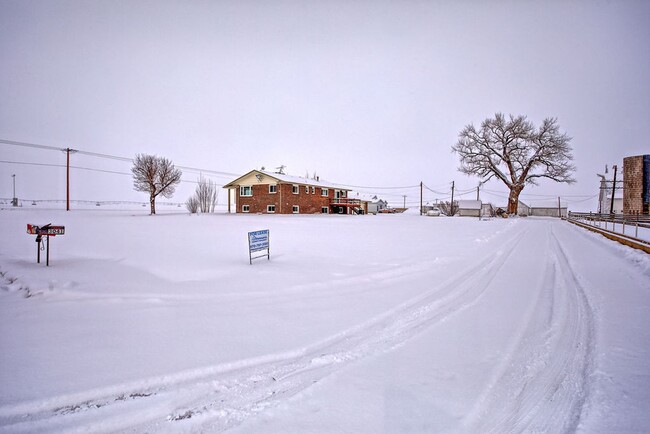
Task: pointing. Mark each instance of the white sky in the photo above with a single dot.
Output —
(364, 93)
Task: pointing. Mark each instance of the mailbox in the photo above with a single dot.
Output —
(46, 231)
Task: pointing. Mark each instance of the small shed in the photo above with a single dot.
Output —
(548, 209)
(469, 208)
(372, 205)
(488, 210)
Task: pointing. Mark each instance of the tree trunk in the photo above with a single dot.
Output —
(513, 200)
(152, 202)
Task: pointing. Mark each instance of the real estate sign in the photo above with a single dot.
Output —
(258, 241)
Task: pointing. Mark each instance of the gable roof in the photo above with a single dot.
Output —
(366, 197)
(469, 204)
(285, 179)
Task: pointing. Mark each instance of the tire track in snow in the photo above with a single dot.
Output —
(222, 396)
(249, 392)
(543, 385)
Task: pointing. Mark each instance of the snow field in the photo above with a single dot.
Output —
(357, 324)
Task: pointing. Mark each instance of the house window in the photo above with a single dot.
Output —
(273, 188)
(246, 191)
(324, 210)
(296, 209)
(306, 189)
(296, 189)
(245, 208)
(323, 192)
(270, 208)
(313, 190)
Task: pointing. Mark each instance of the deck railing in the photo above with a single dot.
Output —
(345, 201)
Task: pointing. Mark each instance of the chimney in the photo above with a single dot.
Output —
(318, 178)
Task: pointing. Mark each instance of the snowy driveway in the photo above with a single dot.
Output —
(394, 323)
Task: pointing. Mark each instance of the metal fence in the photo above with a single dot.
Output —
(625, 224)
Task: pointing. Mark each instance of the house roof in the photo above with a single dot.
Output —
(469, 204)
(286, 179)
(366, 197)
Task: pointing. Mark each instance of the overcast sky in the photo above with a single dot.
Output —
(365, 93)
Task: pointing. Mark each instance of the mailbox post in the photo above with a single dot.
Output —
(46, 231)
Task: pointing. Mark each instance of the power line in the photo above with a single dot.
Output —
(29, 145)
(90, 169)
(434, 191)
(32, 164)
(374, 187)
(579, 201)
(111, 157)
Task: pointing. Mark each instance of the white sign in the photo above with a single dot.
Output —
(258, 241)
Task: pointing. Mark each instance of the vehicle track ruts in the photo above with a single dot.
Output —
(545, 381)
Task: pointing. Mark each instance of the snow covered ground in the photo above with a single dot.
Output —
(387, 323)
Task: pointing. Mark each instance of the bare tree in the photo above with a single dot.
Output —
(515, 152)
(156, 176)
(192, 204)
(206, 194)
(448, 209)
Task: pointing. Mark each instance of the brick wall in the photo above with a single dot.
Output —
(259, 201)
(633, 185)
(284, 199)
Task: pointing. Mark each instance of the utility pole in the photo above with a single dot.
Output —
(559, 208)
(14, 201)
(451, 207)
(611, 205)
(67, 177)
(404, 196)
(421, 198)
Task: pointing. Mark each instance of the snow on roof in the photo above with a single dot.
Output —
(469, 204)
(368, 197)
(289, 179)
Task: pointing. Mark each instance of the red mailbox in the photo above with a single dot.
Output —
(44, 231)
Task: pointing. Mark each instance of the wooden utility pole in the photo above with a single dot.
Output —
(67, 177)
(451, 207)
(611, 205)
(404, 196)
(421, 198)
(559, 208)
(14, 200)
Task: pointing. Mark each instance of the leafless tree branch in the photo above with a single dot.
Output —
(156, 176)
(514, 151)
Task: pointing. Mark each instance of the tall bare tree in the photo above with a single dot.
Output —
(514, 151)
(156, 176)
(206, 194)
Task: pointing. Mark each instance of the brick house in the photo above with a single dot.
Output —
(264, 192)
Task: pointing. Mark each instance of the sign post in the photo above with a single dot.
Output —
(44, 231)
(258, 241)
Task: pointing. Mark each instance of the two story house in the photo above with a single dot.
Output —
(264, 192)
